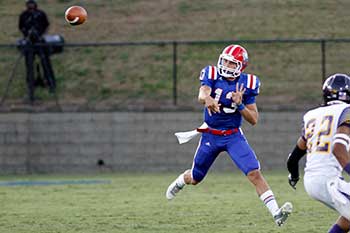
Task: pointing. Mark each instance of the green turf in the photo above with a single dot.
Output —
(136, 203)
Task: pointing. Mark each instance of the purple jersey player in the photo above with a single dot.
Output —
(229, 97)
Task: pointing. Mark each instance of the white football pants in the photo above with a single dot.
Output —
(332, 191)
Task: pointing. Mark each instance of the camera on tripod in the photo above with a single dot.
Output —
(33, 23)
(35, 43)
(53, 44)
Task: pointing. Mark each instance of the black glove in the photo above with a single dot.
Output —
(292, 181)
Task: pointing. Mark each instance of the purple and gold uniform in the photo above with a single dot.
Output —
(229, 118)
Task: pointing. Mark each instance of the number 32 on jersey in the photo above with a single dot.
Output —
(319, 139)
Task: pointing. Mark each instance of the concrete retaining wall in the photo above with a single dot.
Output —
(122, 141)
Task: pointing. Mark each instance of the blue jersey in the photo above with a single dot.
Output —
(221, 90)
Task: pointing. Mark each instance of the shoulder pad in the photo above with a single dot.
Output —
(209, 73)
(252, 83)
(344, 118)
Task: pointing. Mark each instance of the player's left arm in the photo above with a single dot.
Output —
(250, 113)
(341, 144)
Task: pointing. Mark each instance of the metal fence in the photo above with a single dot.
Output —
(295, 69)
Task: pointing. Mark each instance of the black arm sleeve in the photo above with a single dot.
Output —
(293, 161)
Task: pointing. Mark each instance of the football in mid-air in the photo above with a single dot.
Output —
(76, 15)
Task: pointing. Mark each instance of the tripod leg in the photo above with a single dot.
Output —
(48, 72)
(12, 76)
(38, 79)
(56, 100)
(30, 73)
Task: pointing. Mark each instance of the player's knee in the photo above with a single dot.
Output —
(194, 182)
(197, 176)
(254, 176)
(188, 178)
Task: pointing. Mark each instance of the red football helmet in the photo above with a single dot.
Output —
(236, 54)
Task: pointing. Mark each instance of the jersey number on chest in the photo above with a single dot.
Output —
(232, 108)
(319, 141)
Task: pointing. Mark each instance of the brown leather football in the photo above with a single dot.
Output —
(76, 15)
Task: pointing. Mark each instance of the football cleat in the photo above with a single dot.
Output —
(172, 190)
(282, 214)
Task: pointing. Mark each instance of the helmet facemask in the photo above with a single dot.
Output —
(228, 72)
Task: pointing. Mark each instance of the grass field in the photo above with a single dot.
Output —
(135, 203)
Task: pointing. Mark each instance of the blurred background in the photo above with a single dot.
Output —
(128, 79)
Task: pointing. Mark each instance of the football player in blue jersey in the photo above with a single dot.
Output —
(229, 96)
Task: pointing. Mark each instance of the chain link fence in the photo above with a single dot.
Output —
(163, 75)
